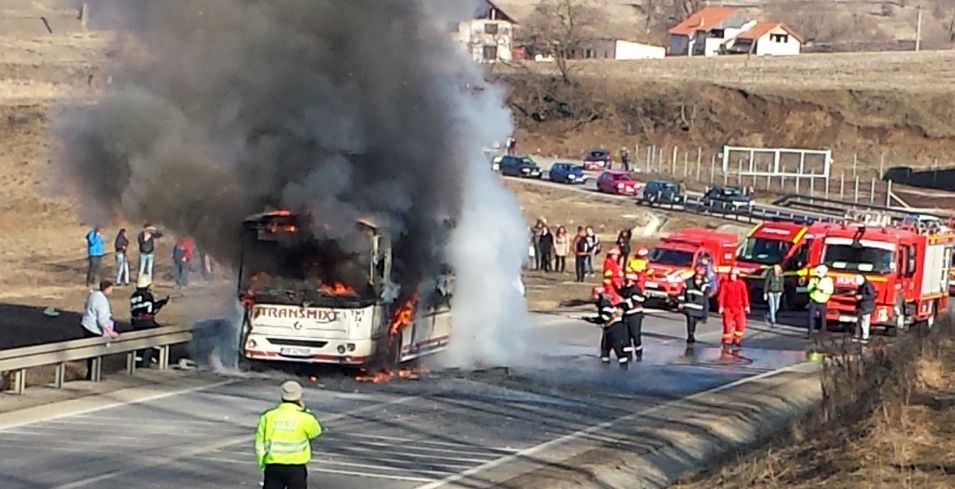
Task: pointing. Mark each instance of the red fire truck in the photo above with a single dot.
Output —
(784, 243)
(672, 261)
(908, 264)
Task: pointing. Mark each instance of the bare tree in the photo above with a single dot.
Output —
(560, 28)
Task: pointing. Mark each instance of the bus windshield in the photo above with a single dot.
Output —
(282, 264)
(763, 250)
(858, 258)
(668, 256)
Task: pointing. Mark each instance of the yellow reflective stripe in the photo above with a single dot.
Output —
(800, 234)
(277, 447)
(753, 231)
(724, 269)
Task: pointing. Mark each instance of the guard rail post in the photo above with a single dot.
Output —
(131, 362)
(19, 381)
(164, 357)
(59, 376)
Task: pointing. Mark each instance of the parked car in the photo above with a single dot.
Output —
(520, 166)
(725, 198)
(567, 173)
(597, 159)
(661, 192)
(617, 182)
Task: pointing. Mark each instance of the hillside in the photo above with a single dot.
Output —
(896, 104)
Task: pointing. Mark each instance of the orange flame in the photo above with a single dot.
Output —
(404, 315)
(386, 376)
(336, 288)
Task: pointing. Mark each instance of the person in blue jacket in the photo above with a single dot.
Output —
(95, 249)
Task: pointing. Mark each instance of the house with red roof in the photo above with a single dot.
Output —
(705, 31)
(766, 39)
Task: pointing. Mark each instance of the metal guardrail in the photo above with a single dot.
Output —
(18, 360)
(749, 213)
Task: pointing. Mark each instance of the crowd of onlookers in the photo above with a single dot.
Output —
(551, 247)
(183, 255)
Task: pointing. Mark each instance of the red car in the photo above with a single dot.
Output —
(617, 182)
(597, 159)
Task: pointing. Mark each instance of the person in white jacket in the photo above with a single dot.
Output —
(98, 318)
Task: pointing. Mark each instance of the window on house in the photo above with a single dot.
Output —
(490, 28)
(490, 52)
(784, 38)
(717, 33)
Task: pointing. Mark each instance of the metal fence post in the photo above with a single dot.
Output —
(649, 158)
(872, 192)
(797, 184)
(782, 184)
(827, 187)
(739, 173)
(163, 357)
(97, 366)
(882, 165)
(855, 163)
(699, 162)
(856, 197)
(676, 150)
(712, 169)
(660, 161)
(842, 186)
(686, 163)
(888, 193)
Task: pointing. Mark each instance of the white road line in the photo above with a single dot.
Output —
(417, 440)
(110, 405)
(394, 458)
(209, 447)
(382, 467)
(597, 427)
(407, 448)
(405, 451)
(313, 467)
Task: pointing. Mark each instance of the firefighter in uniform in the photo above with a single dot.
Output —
(696, 301)
(283, 440)
(633, 300)
(734, 306)
(143, 308)
(612, 276)
(638, 263)
(614, 334)
(820, 288)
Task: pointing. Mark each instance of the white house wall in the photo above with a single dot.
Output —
(636, 50)
(764, 46)
(472, 35)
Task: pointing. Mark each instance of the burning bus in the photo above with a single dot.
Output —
(314, 300)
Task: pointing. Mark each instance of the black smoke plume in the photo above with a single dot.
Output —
(218, 109)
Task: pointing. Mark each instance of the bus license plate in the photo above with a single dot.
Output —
(296, 352)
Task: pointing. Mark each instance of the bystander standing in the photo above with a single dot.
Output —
(95, 249)
(561, 249)
(121, 246)
(546, 243)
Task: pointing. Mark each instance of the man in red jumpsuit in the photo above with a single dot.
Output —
(612, 274)
(733, 299)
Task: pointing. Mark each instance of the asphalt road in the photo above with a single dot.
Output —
(448, 426)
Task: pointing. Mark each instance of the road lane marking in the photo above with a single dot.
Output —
(410, 449)
(211, 447)
(527, 452)
(313, 467)
(423, 440)
(100, 407)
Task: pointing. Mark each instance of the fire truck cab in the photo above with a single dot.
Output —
(673, 259)
(908, 264)
(783, 243)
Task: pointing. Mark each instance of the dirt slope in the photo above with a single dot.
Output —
(899, 104)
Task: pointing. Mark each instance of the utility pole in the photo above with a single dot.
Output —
(918, 29)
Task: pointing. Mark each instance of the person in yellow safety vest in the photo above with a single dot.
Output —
(283, 440)
(820, 289)
(638, 263)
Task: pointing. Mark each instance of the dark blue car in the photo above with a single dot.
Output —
(567, 173)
